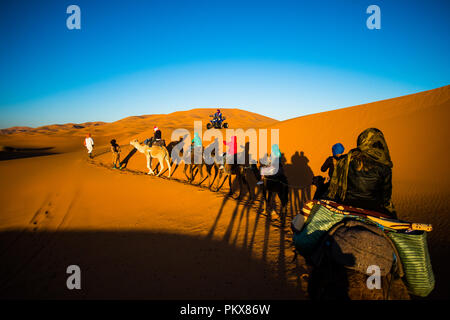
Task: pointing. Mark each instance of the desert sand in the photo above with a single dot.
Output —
(139, 236)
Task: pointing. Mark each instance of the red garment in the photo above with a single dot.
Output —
(232, 145)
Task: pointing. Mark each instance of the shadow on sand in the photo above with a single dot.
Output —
(300, 176)
(9, 153)
(246, 219)
(132, 264)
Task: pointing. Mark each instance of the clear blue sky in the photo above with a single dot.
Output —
(279, 58)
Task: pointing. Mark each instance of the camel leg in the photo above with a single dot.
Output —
(243, 181)
(193, 166)
(238, 176)
(192, 172)
(211, 180)
(264, 196)
(200, 167)
(149, 164)
(216, 173)
(161, 164)
(209, 173)
(284, 198)
(189, 173)
(185, 171)
(170, 167)
(268, 202)
(251, 192)
(229, 170)
(230, 185)
(218, 180)
(280, 196)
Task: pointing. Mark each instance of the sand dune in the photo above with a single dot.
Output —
(137, 236)
(417, 132)
(415, 127)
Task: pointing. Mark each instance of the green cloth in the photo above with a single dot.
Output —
(316, 226)
(415, 258)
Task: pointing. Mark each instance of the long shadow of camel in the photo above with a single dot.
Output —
(241, 228)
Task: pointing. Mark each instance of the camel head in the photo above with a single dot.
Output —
(134, 142)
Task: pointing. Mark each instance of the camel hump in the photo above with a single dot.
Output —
(159, 143)
(159, 150)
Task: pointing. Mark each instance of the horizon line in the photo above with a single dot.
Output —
(224, 108)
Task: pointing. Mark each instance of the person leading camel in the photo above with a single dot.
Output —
(363, 177)
(115, 149)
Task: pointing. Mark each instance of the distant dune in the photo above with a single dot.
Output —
(67, 137)
(58, 207)
(15, 130)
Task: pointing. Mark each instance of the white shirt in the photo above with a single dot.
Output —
(89, 142)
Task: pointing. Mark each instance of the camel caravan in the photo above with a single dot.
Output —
(222, 168)
(199, 159)
(347, 231)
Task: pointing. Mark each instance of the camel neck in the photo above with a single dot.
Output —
(139, 147)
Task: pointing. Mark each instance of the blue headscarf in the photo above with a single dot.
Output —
(197, 140)
(338, 148)
(276, 151)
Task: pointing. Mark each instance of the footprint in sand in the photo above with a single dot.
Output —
(41, 214)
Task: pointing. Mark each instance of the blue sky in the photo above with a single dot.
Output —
(280, 58)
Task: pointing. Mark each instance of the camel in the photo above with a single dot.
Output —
(272, 186)
(239, 170)
(228, 170)
(158, 152)
(191, 167)
(339, 266)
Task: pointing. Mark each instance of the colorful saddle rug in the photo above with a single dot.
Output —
(409, 238)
